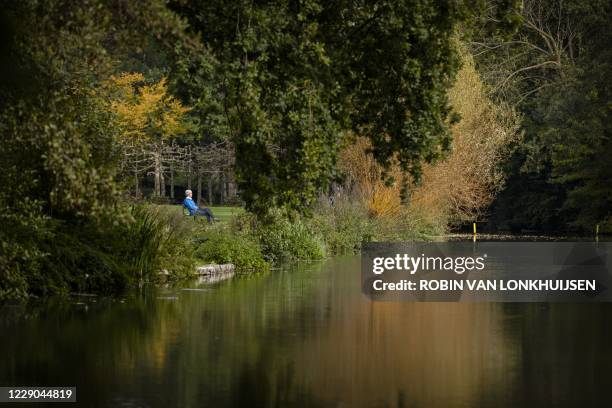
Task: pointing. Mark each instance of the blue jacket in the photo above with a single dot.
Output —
(189, 204)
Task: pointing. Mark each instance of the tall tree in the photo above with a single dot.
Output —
(556, 71)
(58, 162)
(296, 74)
(149, 118)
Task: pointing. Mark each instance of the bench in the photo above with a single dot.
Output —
(195, 216)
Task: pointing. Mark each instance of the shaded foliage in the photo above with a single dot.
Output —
(560, 176)
(281, 80)
(295, 75)
(58, 162)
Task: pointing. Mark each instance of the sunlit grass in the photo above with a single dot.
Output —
(226, 213)
(223, 214)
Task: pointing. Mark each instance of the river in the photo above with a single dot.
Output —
(305, 336)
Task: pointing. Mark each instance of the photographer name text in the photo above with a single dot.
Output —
(485, 285)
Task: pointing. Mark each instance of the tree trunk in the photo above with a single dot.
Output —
(189, 175)
(222, 185)
(227, 188)
(210, 192)
(231, 186)
(162, 183)
(199, 186)
(172, 181)
(231, 190)
(157, 186)
(136, 185)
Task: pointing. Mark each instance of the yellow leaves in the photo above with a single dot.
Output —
(363, 170)
(145, 112)
(384, 201)
(466, 181)
(461, 185)
(127, 79)
(153, 95)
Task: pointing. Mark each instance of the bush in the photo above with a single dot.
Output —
(77, 261)
(219, 246)
(281, 237)
(350, 221)
(157, 240)
(104, 257)
(19, 252)
(343, 225)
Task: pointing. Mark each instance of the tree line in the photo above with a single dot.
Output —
(101, 99)
(555, 69)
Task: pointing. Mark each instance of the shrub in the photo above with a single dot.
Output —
(157, 240)
(281, 236)
(343, 225)
(77, 261)
(220, 246)
(100, 257)
(19, 252)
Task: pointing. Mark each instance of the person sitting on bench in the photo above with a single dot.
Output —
(193, 208)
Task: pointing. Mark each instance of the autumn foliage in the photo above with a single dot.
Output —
(454, 189)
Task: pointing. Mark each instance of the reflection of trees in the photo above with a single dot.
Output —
(240, 339)
(282, 343)
(567, 345)
(101, 347)
(418, 354)
(308, 337)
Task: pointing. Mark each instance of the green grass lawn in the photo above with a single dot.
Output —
(223, 214)
(226, 213)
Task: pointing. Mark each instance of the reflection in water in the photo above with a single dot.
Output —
(308, 337)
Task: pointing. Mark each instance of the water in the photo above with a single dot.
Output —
(305, 336)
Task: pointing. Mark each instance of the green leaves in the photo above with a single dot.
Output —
(560, 57)
(296, 75)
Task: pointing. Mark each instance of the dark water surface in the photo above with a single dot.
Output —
(305, 336)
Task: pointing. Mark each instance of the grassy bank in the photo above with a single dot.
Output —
(114, 255)
(334, 227)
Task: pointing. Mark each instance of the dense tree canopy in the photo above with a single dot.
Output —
(58, 162)
(282, 82)
(295, 75)
(557, 71)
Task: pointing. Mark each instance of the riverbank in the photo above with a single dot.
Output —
(332, 228)
(112, 257)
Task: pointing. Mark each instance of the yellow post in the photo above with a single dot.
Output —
(474, 228)
(597, 230)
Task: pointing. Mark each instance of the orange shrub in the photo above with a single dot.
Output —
(456, 188)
